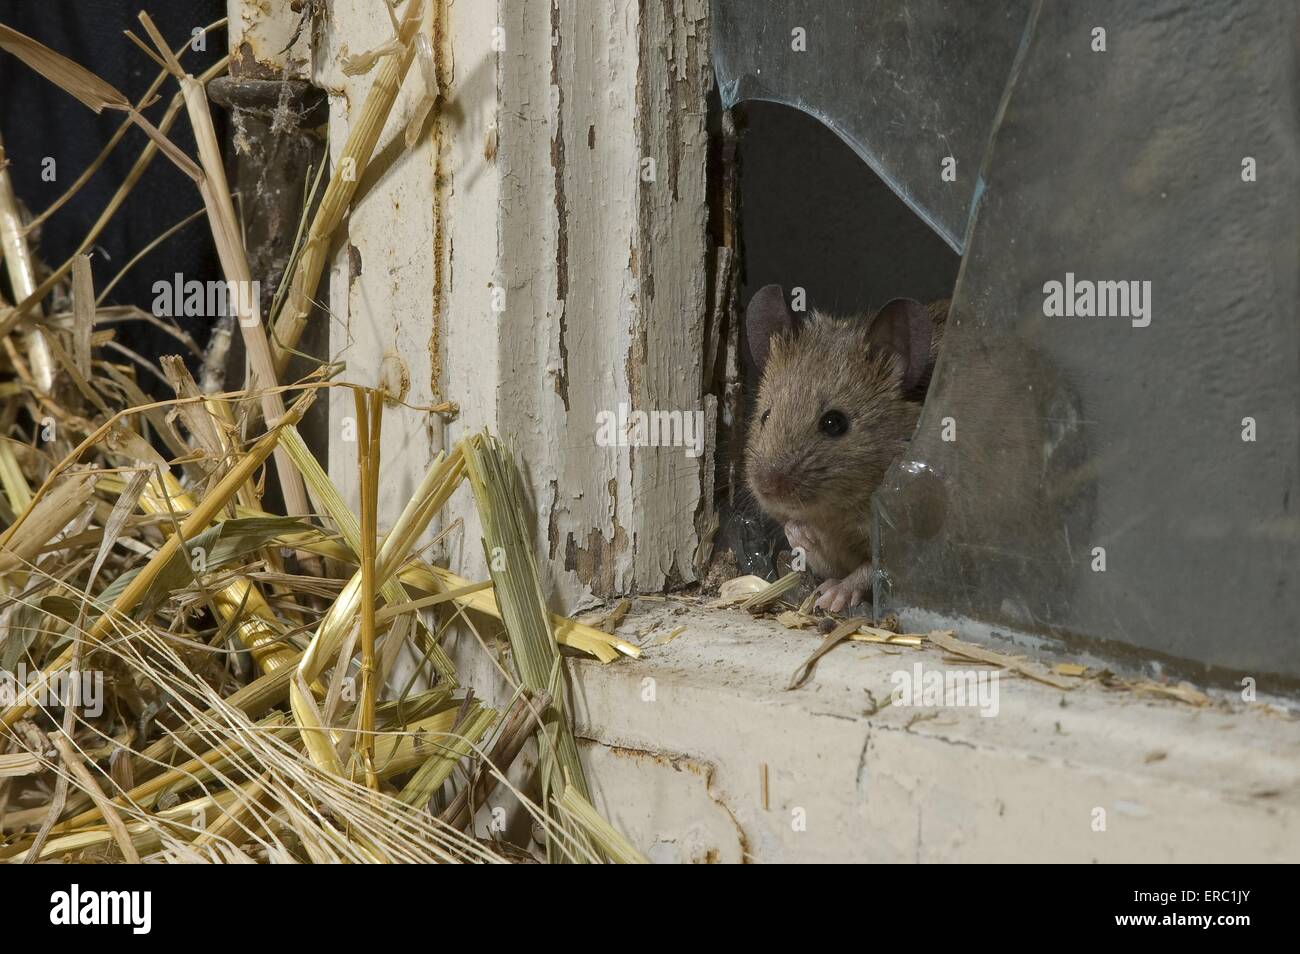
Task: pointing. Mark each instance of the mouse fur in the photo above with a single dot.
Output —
(817, 374)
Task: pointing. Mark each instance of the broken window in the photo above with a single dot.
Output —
(1110, 449)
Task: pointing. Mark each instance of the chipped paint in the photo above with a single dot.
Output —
(265, 42)
(601, 278)
(618, 317)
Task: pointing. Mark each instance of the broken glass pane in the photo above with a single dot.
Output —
(1109, 456)
(907, 84)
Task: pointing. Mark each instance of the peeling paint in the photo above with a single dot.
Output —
(605, 277)
(666, 353)
(596, 563)
(552, 526)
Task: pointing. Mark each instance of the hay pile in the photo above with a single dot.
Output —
(188, 676)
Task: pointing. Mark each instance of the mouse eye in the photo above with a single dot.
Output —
(833, 423)
(762, 421)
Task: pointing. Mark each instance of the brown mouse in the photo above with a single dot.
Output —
(837, 403)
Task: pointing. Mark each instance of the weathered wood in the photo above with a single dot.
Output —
(516, 263)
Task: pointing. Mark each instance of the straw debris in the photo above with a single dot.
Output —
(189, 673)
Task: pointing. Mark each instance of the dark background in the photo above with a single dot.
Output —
(813, 214)
(38, 119)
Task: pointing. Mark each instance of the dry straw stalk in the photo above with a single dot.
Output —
(135, 543)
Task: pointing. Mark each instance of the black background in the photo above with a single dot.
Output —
(38, 119)
(928, 910)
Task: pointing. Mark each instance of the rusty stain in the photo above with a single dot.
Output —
(441, 43)
(245, 63)
(678, 763)
(561, 209)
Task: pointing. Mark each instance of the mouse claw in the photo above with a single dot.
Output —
(835, 596)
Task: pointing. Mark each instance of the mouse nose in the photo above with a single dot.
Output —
(775, 481)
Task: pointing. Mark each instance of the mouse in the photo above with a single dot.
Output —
(838, 401)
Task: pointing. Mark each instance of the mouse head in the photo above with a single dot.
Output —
(833, 408)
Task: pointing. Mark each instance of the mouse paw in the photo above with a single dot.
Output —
(836, 596)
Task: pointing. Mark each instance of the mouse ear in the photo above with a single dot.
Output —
(904, 327)
(767, 315)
